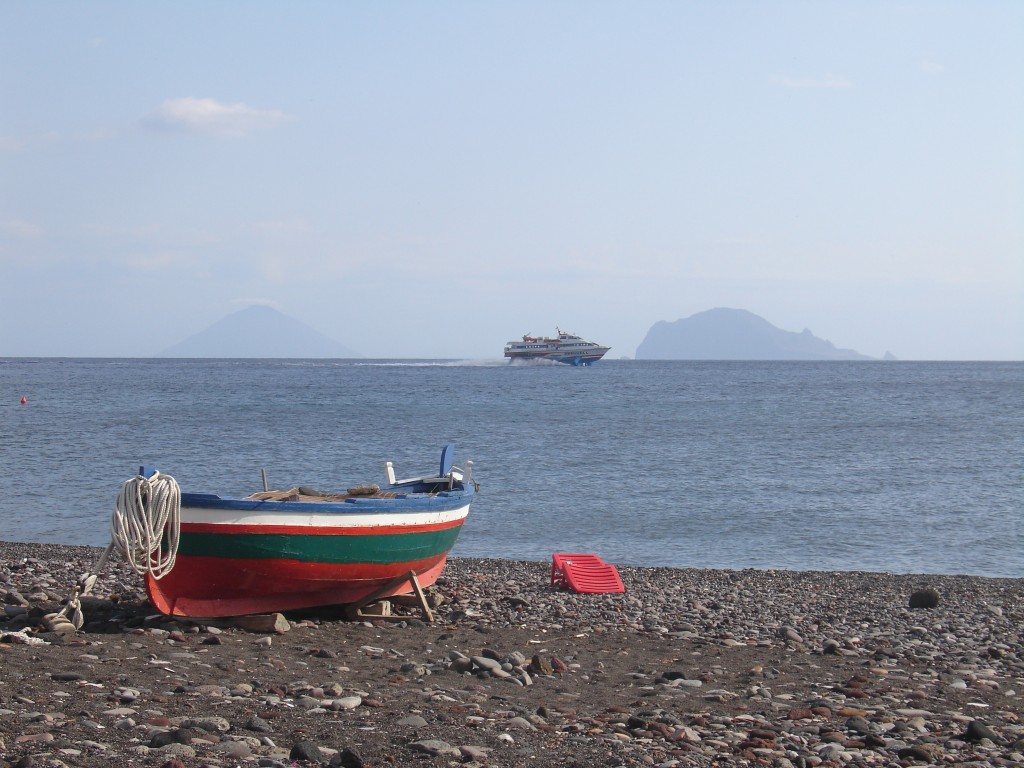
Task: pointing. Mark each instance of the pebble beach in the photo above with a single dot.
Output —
(686, 668)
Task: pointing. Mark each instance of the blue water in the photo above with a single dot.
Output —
(877, 466)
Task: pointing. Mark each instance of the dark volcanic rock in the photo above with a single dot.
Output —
(306, 750)
(924, 598)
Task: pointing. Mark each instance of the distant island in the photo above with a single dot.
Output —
(259, 332)
(735, 334)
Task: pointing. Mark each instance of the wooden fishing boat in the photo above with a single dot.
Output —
(286, 550)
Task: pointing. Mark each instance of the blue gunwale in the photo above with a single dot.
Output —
(406, 503)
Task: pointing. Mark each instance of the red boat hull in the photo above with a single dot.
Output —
(213, 587)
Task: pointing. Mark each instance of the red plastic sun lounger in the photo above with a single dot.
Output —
(587, 574)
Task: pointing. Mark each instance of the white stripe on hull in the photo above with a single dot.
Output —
(313, 520)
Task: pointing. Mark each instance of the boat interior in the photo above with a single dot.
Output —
(447, 476)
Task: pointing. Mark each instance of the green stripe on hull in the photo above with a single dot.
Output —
(382, 549)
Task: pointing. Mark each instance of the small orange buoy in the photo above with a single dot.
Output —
(24, 400)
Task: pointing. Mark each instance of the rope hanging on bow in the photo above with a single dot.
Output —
(147, 511)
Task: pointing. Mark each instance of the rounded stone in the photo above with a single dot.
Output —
(924, 598)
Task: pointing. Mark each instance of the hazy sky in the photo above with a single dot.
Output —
(434, 179)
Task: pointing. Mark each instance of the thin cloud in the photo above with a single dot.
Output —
(209, 116)
(20, 229)
(931, 67)
(286, 225)
(255, 302)
(10, 143)
(826, 82)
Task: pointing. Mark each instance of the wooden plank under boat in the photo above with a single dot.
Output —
(286, 550)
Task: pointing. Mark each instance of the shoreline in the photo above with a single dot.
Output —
(84, 549)
(688, 667)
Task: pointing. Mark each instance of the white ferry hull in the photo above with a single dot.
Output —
(567, 348)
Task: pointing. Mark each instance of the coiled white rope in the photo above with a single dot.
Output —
(147, 509)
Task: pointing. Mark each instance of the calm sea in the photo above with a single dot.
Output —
(887, 466)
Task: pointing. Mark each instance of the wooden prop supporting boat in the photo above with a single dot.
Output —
(286, 550)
